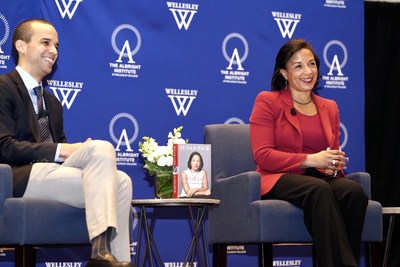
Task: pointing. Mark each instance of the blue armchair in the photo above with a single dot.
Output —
(243, 218)
(26, 223)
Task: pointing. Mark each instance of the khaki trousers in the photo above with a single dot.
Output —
(89, 179)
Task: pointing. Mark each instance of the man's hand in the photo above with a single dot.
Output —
(67, 149)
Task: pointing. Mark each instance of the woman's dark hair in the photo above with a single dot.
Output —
(278, 82)
(190, 159)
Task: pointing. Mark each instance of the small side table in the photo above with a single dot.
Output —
(392, 212)
(197, 224)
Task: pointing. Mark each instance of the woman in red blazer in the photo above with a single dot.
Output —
(295, 141)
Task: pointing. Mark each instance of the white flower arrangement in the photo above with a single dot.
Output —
(159, 160)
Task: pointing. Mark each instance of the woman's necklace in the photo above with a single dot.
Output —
(303, 103)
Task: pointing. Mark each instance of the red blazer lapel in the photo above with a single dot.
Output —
(287, 109)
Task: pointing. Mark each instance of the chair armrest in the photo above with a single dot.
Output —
(232, 219)
(5, 184)
(236, 193)
(364, 179)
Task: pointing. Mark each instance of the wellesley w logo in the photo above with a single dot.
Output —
(181, 99)
(67, 8)
(65, 91)
(183, 13)
(287, 22)
(63, 264)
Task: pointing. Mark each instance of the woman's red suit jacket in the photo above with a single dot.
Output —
(276, 137)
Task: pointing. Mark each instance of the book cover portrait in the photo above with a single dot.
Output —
(192, 170)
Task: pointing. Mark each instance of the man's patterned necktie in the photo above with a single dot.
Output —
(43, 119)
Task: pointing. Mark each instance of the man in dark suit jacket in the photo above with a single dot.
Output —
(81, 174)
(18, 122)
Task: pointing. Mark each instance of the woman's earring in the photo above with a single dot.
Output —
(285, 84)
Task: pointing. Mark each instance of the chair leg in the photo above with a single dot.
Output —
(25, 256)
(314, 258)
(372, 254)
(265, 255)
(219, 254)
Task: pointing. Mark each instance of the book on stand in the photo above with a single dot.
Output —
(191, 170)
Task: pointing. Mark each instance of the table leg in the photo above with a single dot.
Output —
(388, 239)
(193, 242)
(151, 246)
(197, 223)
(205, 243)
(139, 238)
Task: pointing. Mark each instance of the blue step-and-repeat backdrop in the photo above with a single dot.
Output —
(129, 69)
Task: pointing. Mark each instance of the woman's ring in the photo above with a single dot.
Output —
(333, 162)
